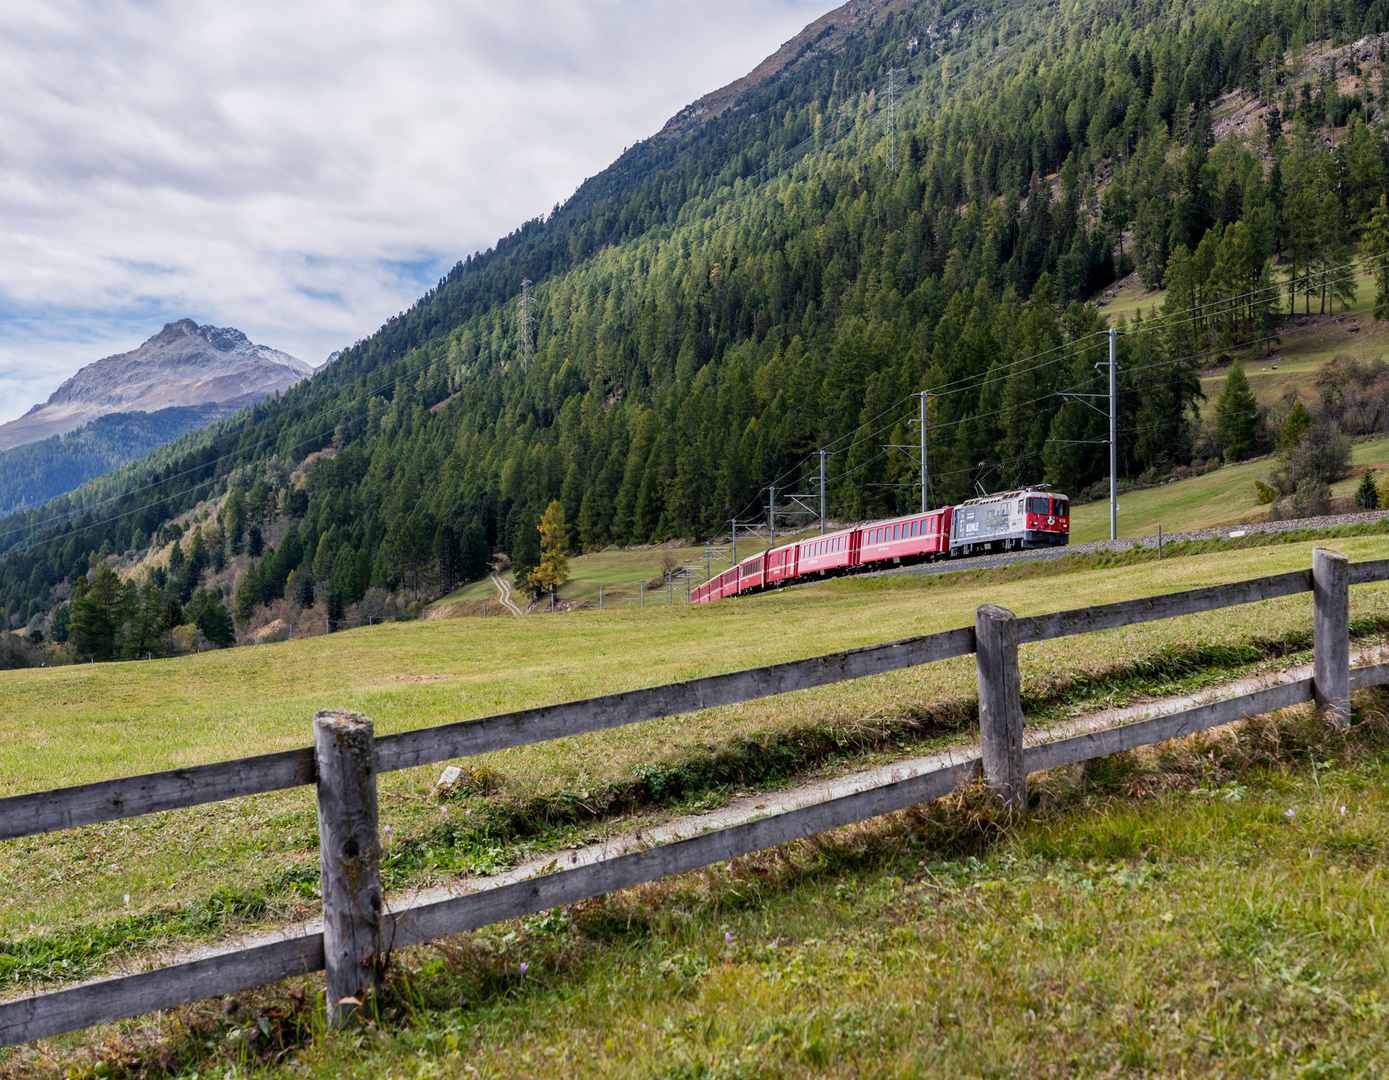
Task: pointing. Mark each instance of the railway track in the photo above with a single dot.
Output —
(1150, 541)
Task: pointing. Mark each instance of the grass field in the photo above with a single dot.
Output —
(76, 902)
(1211, 908)
(1221, 497)
(1306, 342)
(620, 573)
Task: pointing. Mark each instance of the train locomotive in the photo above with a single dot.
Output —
(1008, 521)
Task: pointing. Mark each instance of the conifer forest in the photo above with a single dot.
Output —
(935, 203)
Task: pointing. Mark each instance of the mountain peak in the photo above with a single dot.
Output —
(183, 364)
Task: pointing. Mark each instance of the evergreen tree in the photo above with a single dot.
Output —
(99, 610)
(1237, 415)
(1367, 495)
(248, 595)
(1297, 423)
(1377, 241)
(209, 614)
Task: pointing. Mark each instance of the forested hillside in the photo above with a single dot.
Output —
(38, 471)
(738, 293)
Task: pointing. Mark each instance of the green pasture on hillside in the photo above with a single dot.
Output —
(1221, 497)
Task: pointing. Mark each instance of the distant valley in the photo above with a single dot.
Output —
(183, 364)
(120, 408)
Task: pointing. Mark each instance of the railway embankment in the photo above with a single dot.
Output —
(1151, 541)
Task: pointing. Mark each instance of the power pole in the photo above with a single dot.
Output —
(771, 516)
(892, 120)
(1113, 445)
(822, 493)
(734, 523)
(527, 325)
(925, 473)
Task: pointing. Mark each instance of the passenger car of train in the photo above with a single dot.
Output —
(1008, 521)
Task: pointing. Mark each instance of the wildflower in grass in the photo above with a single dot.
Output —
(468, 812)
(388, 834)
(127, 899)
(727, 938)
(444, 812)
(1290, 813)
(1343, 811)
(524, 967)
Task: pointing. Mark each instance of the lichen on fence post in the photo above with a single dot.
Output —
(1331, 635)
(1000, 704)
(350, 861)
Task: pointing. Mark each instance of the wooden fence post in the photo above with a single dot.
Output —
(1000, 704)
(1331, 635)
(350, 861)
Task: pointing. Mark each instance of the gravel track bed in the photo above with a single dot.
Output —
(1222, 532)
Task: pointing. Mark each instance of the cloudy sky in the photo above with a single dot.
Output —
(304, 170)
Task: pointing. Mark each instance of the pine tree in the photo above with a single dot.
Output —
(1298, 421)
(1377, 240)
(248, 595)
(1366, 495)
(553, 571)
(1236, 415)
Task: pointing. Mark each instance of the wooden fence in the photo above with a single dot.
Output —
(358, 926)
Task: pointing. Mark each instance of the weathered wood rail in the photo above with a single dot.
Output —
(359, 927)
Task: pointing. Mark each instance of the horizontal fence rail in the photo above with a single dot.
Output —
(1034, 628)
(110, 800)
(37, 1016)
(107, 1000)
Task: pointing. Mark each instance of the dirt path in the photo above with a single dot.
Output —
(504, 591)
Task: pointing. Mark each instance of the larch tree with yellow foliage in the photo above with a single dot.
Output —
(553, 570)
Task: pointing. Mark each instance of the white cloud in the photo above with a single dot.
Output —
(303, 171)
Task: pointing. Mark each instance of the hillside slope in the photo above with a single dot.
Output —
(922, 204)
(38, 471)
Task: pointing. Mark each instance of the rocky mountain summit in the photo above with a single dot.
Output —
(184, 364)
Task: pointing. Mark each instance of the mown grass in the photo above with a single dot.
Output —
(88, 884)
(1214, 906)
(70, 725)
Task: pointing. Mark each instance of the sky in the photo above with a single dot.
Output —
(303, 171)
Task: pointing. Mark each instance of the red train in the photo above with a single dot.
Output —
(1008, 521)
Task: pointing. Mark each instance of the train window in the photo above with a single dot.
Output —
(897, 532)
(1038, 506)
(1061, 507)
